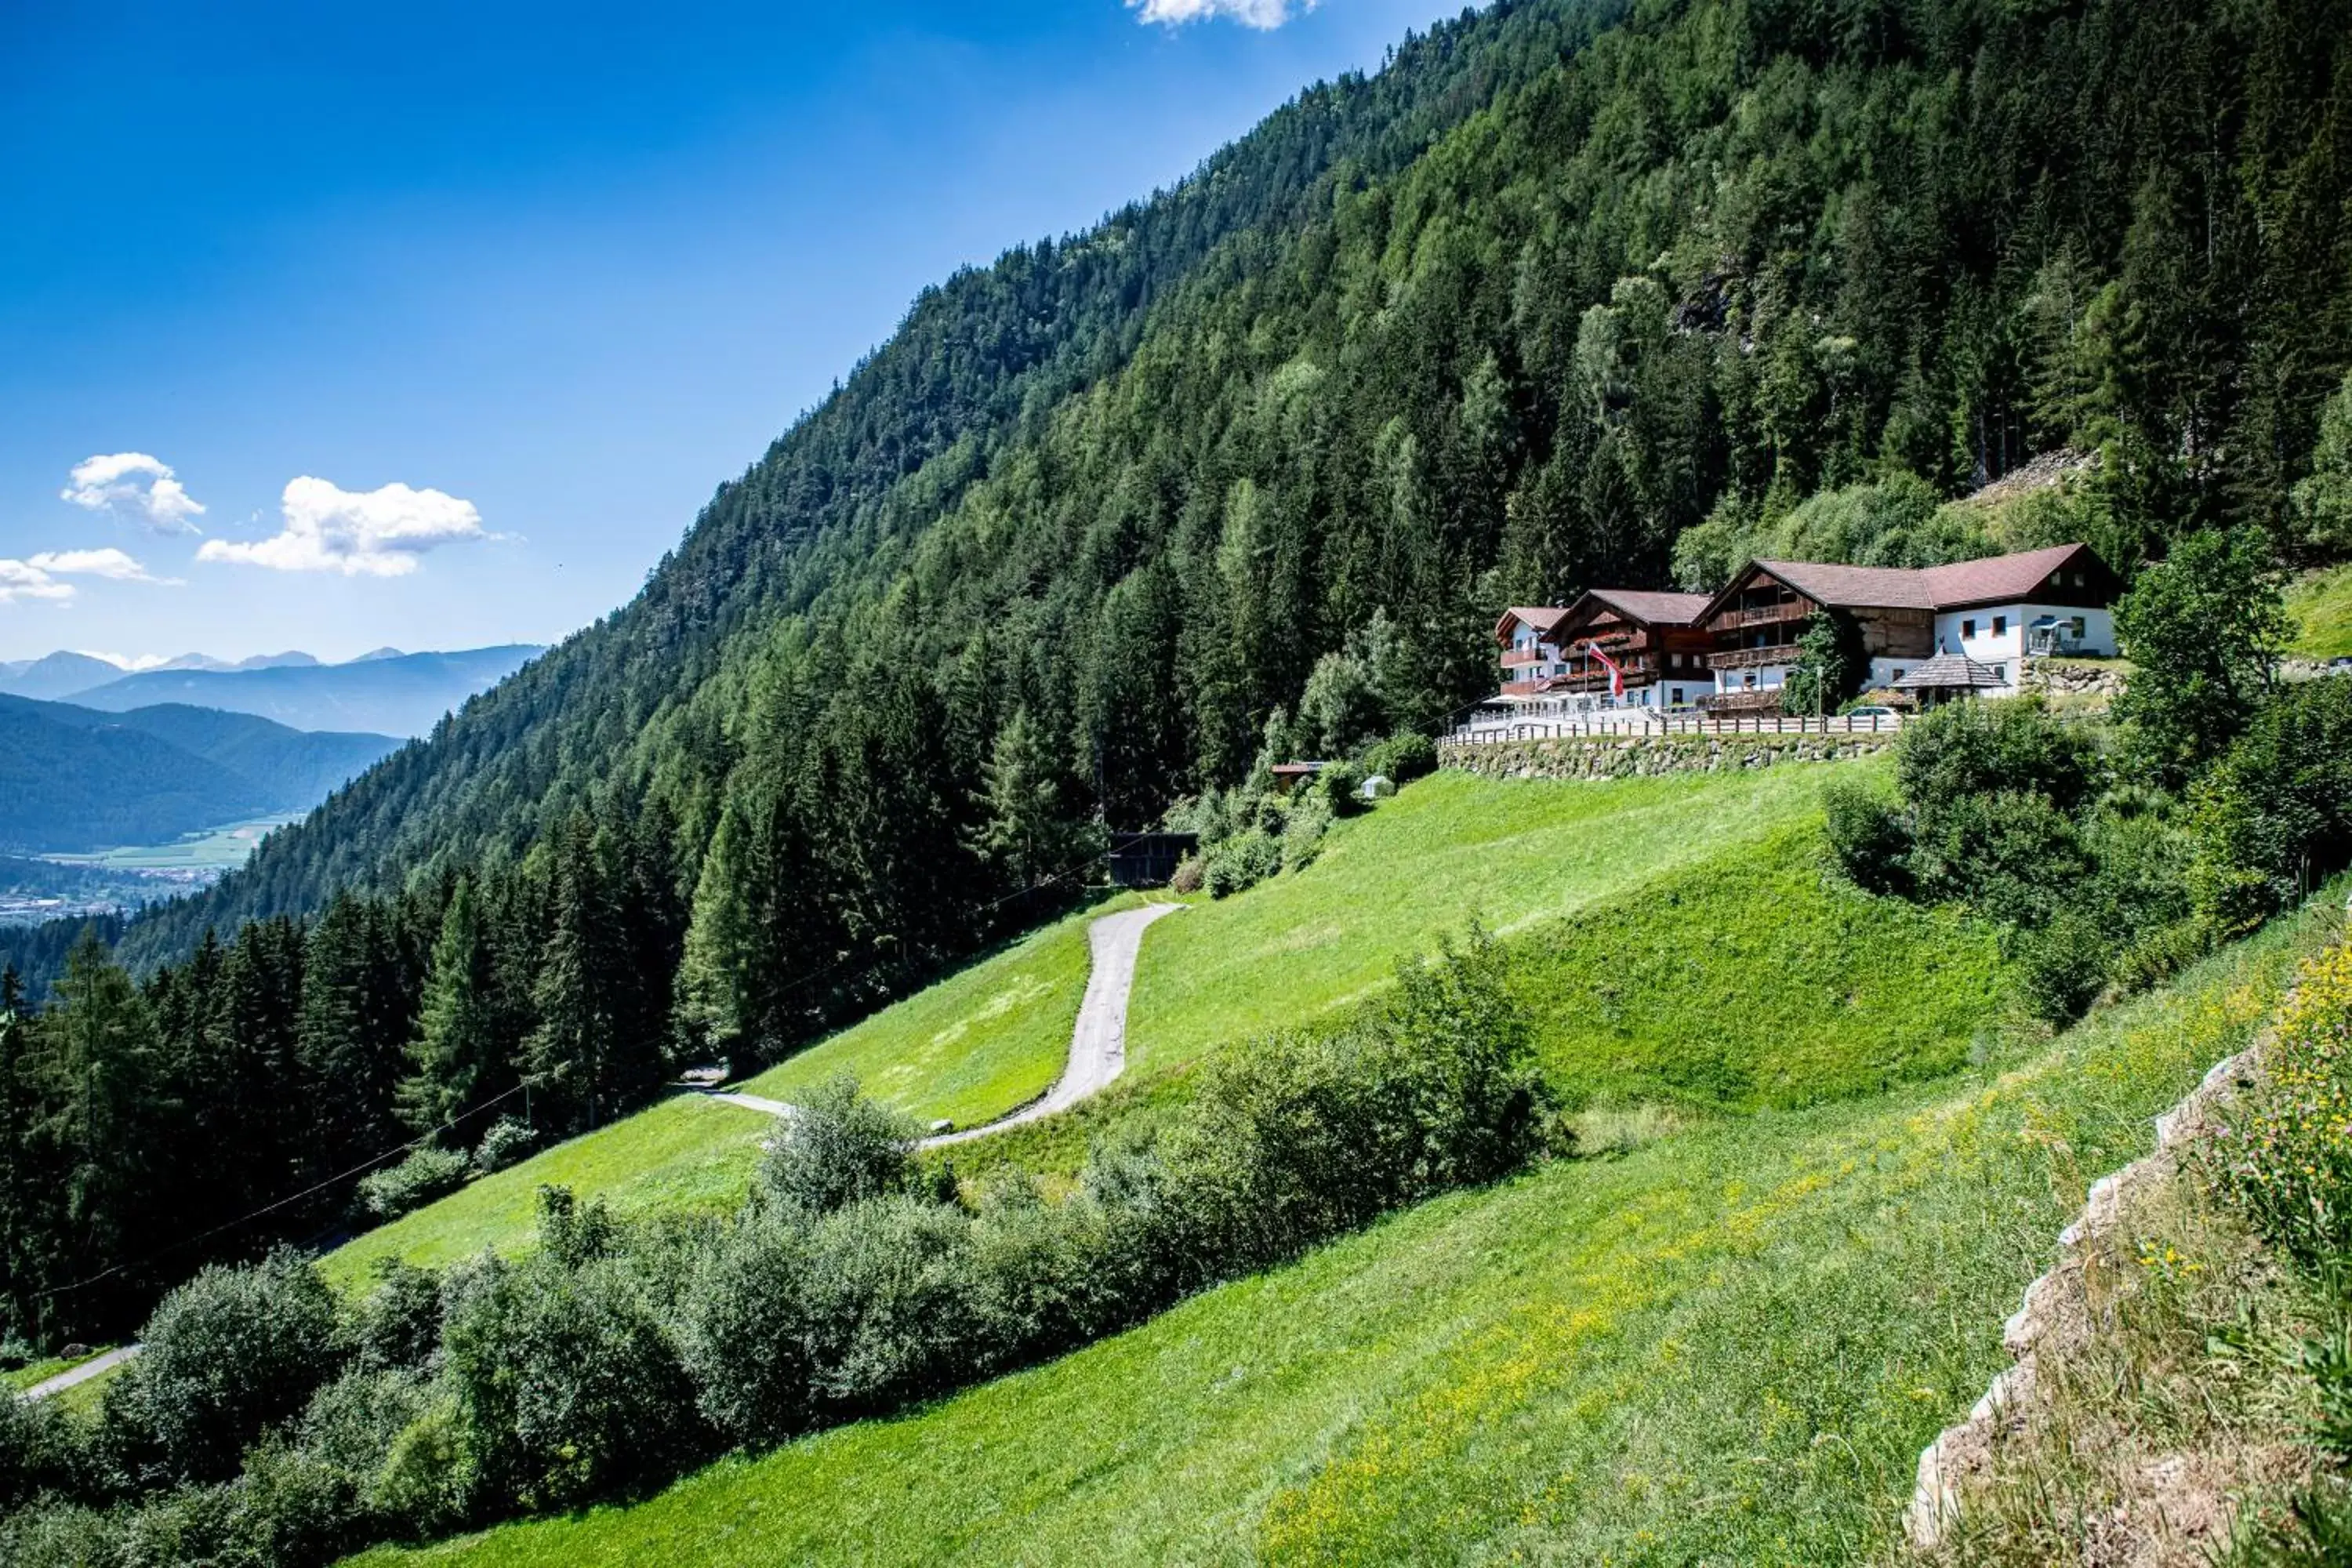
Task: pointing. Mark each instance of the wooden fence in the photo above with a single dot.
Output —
(1612, 728)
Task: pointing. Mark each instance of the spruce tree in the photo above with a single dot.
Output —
(454, 1058)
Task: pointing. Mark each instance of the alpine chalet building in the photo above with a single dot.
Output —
(1964, 629)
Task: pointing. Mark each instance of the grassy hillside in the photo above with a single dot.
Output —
(2322, 606)
(1450, 849)
(993, 1035)
(990, 1037)
(1727, 1346)
(683, 1153)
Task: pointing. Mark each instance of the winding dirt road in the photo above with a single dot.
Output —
(1098, 1043)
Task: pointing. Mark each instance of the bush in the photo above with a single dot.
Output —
(397, 1324)
(567, 1388)
(1189, 873)
(228, 1355)
(1302, 834)
(428, 1174)
(508, 1140)
(1868, 837)
(1402, 757)
(839, 1149)
(741, 1338)
(2063, 967)
(1339, 788)
(1242, 862)
(37, 1453)
(2274, 818)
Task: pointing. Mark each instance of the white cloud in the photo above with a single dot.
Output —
(108, 562)
(135, 484)
(1263, 14)
(23, 580)
(360, 533)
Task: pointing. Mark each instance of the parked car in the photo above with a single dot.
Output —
(1872, 710)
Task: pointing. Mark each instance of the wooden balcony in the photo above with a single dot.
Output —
(1752, 657)
(1762, 615)
(1518, 658)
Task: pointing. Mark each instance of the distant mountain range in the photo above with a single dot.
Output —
(72, 778)
(385, 692)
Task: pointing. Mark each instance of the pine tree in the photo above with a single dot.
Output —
(454, 1058)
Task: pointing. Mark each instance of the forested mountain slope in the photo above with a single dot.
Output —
(72, 778)
(1569, 293)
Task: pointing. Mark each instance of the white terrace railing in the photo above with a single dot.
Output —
(1623, 724)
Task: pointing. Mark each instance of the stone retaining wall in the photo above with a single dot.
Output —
(2065, 679)
(1610, 757)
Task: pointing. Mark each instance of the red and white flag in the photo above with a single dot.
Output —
(1616, 676)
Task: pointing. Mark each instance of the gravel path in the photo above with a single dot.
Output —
(97, 1366)
(1098, 1045)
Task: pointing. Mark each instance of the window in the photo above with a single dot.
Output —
(1678, 696)
(2082, 627)
(1968, 629)
(2078, 579)
(1750, 681)
(1898, 672)
(2000, 673)
(2001, 626)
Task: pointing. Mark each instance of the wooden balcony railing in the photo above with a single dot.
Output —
(1764, 615)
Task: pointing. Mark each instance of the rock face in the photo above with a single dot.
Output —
(1614, 757)
(2055, 1310)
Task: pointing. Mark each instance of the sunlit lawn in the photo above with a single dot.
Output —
(1725, 1346)
(2322, 606)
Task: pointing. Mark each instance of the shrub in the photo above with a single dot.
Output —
(1868, 837)
(2011, 854)
(428, 1174)
(1242, 862)
(1967, 749)
(508, 1140)
(229, 1354)
(740, 1339)
(839, 1149)
(1402, 757)
(884, 1306)
(37, 1453)
(2274, 818)
(2063, 968)
(398, 1323)
(1302, 834)
(1339, 787)
(1189, 873)
(567, 1389)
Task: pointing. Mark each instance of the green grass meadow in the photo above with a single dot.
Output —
(1726, 1345)
(989, 1037)
(685, 1153)
(995, 1034)
(2321, 605)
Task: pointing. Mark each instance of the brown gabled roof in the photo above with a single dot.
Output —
(1852, 587)
(1964, 583)
(1654, 609)
(1544, 618)
(2000, 578)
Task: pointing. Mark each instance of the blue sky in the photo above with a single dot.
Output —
(329, 327)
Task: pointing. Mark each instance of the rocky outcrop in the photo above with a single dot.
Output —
(1619, 757)
(2054, 1312)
